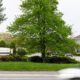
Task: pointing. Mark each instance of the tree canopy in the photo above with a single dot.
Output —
(40, 27)
(2, 16)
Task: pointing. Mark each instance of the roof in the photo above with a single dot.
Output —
(5, 36)
(77, 37)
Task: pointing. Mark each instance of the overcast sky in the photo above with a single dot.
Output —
(12, 10)
(70, 9)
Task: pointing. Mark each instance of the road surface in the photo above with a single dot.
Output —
(64, 74)
(5, 75)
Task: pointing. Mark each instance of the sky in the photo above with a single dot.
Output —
(12, 10)
(70, 9)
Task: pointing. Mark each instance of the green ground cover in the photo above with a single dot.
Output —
(28, 66)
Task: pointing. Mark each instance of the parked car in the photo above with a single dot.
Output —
(68, 55)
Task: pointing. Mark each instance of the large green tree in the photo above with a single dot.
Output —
(40, 27)
(2, 16)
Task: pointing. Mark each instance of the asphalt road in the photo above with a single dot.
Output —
(29, 78)
(64, 74)
(5, 75)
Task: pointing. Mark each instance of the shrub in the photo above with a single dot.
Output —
(24, 58)
(35, 59)
(2, 43)
(53, 59)
(17, 57)
(10, 58)
(13, 58)
(7, 58)
(3, 58)
(57, 59)
(21, 52)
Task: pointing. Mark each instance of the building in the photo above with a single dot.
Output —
(6, 37)
(77, 39)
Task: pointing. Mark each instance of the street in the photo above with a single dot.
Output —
(28, 78)
(5, 75)
(64, 74)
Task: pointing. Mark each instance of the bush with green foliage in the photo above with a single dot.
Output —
(2, 43)
(13, 58)
(60, 59)
(21, 52)
(35, 59)
(17, 58)
(24, 58)
(53, 59)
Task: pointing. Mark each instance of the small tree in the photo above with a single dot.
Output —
(41, 28)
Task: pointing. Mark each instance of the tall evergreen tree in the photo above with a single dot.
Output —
(41, 27)
(2, 16)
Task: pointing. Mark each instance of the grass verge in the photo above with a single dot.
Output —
(28, 66)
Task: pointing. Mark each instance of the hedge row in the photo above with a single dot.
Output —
(53, 59)
(13, 58)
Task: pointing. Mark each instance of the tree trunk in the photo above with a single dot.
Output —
(14, 50)
(43, 55)
(43, 49)
(41, 23)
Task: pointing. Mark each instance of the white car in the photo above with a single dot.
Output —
(68, 55)
(69, 74)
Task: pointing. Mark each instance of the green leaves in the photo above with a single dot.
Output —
(2, 16)
(41, 27)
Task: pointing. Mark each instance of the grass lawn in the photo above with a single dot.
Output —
(28, 66)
